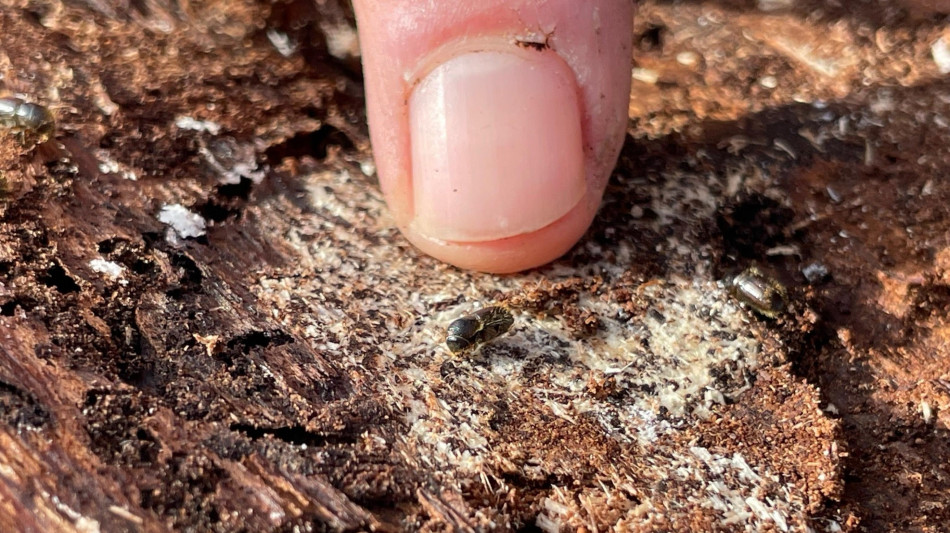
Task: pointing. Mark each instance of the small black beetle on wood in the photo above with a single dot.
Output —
(477, 328)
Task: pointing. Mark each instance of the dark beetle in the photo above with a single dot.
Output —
(481, 326)
(26, 118)
(760, 292)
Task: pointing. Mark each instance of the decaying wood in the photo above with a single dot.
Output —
(209, 323)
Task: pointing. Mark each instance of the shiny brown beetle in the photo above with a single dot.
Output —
(758, 291)
(479, 327)
(26, 119)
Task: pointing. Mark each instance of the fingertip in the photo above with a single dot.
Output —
(516, 253)
(476, 173)
(496, 141)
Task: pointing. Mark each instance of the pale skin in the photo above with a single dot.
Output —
(495, 124)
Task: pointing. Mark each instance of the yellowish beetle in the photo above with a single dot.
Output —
(760, 292)
(26, 119)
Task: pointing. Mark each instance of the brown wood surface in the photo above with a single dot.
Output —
(284, 370)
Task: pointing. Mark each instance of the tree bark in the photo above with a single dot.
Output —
(208, 322)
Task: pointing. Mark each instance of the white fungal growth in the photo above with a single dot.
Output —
(184, 223)
(926, 411)
(282, 42)
(342, 42)
(940, 50)
(110, 269)
(108, 165)
(645, 75)
(189, 123)
(688, 348)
